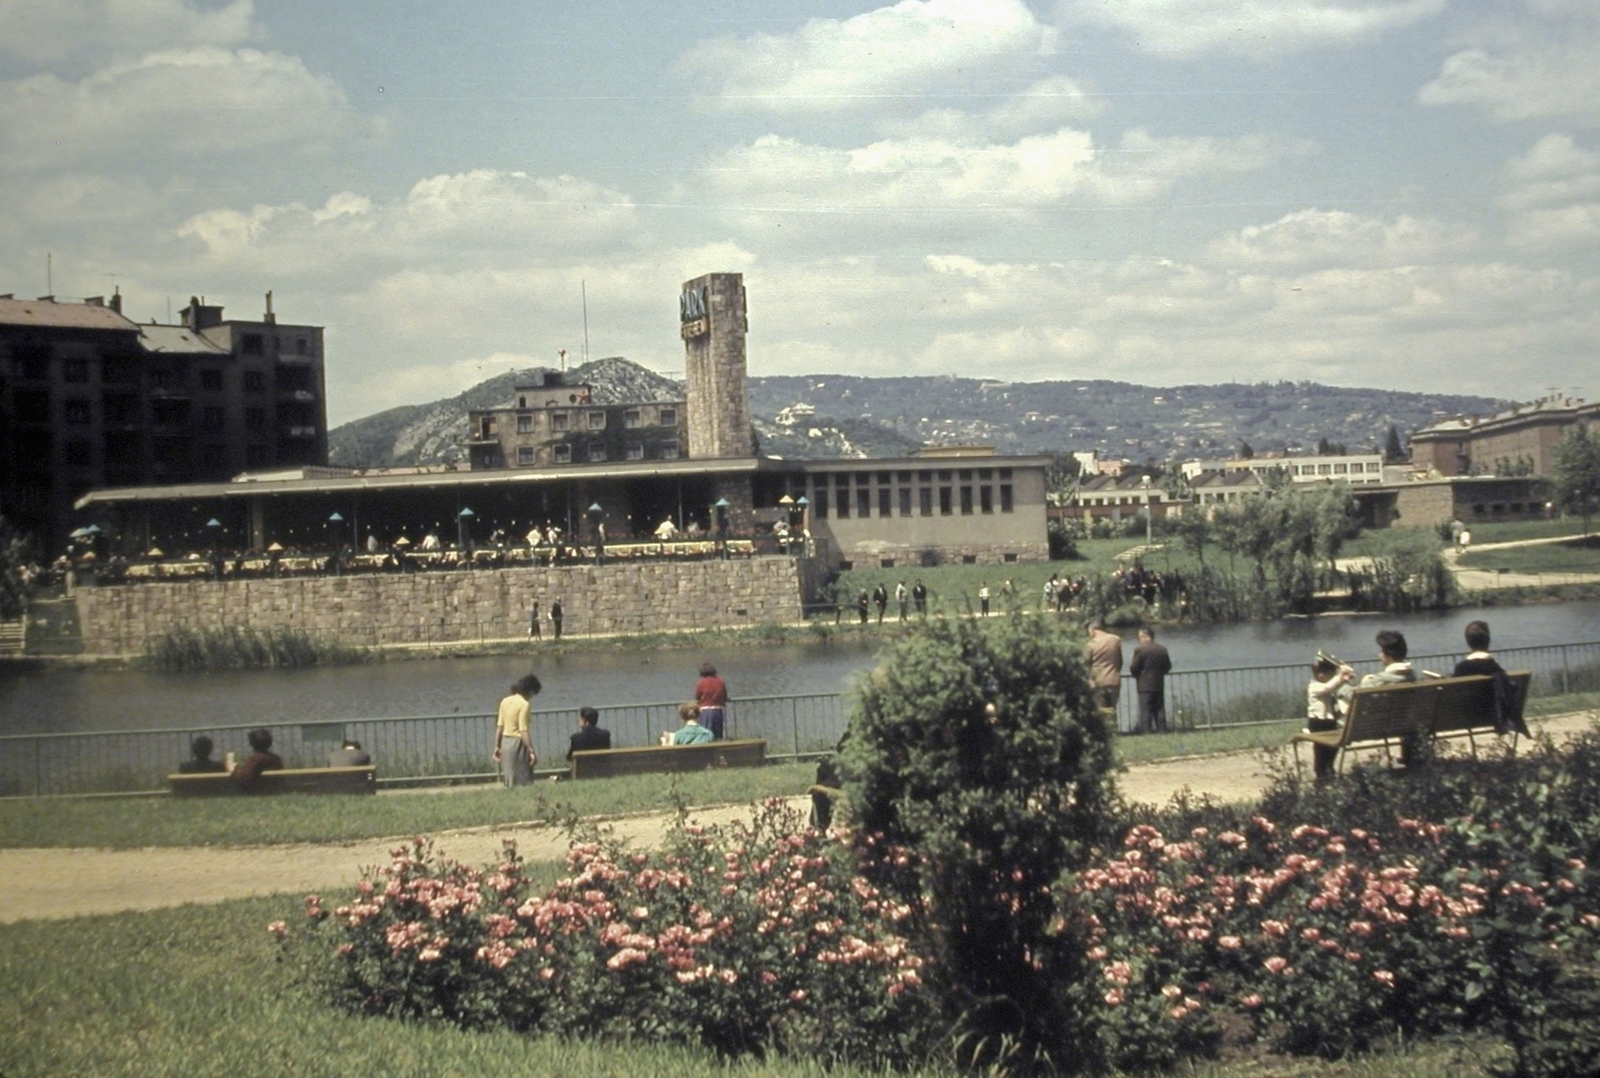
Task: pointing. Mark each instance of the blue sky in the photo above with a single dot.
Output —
(1394, 193)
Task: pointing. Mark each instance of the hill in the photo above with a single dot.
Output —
(853, 416)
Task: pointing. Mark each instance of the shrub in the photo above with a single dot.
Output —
(969, 815)
(752, 938)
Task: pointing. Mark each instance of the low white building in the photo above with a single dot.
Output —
(1344, 468)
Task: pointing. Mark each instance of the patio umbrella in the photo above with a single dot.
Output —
(275, 548)
(154, 552)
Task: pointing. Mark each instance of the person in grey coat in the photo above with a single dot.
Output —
(1150, 666)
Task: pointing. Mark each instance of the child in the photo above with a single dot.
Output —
(1328, 675)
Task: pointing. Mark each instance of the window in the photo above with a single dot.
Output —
(630, 419)
(75, 411)
(885, 501)
(669, 417)
(819, 504)
(210, 378)
(985, 474)
(300, 346)
(841, 503)
(562, 454)
(559, 420)
(79, 452)
(905, 477)
(75, 370)
(212, 418)
(257, 456)
(1007, 504)
(925, 501)
(669, 451)
(944, 502)
(924, 477)
(1340, 469)
(251, 344)
(905, 501)
(885, 477)
(1005, 473)
(597, 452)
(1374, 467)
(966, 475)
(254, 381)
(524, 454)
(597, 421)
(636, 451)
(1324, 469)
(863, 502)
(944, 476)
(969, 559)
(255, 418)
(986, 499)
(34, 363)
(886, 563)
(966, 501)
(1010, 558)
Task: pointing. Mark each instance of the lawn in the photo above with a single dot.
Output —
(1574, 556)
(133, 823)
(198, 991)
(1512, 530)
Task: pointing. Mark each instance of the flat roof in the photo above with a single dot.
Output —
(297, 482)
(926, 464)
(250, 488)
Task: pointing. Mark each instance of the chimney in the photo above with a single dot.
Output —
(116, 298)
(270, 318)
(191, 313)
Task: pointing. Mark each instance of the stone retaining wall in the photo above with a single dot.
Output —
(452, 606)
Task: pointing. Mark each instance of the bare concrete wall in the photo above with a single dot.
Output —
(453, 606)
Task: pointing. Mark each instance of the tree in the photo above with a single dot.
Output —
(1576, 475)
(1193, 531)
(15, 557)
(1393, 451)
(979, 772)
(1246, 452)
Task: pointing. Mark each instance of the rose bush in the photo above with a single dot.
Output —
(752, 938)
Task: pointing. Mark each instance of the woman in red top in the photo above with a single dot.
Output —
(711, 694)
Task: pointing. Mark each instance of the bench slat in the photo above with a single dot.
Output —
(657, 759)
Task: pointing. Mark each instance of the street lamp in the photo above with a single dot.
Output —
(801, 504)
(334, 522)
(597, 529)
(214, 533)
(721, 505)
(464, 530)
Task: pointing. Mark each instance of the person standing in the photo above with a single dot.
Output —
(862, 605)
(1322, 709)
(590, 735)
(919, 598)
(983, 599)
(1150, 666)
(513, 742)
(900, 596)
(711, 698)
(1047, 595)
(556, 614)
(1103, 651)
(534, 632)
(880, 599)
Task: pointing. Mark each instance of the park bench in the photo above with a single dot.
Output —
(298, 780)
(1384, 716)
(656, 759)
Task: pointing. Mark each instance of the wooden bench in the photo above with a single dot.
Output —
(301, 780)
(656, 759)
(1384, 716)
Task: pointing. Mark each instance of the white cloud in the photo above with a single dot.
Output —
(907, 49)
(1319, 237)
(184, 103)
(1520, 68)
(55, 31)
(936, 180)
(1553, 195)
(445, 220)
(1256, 28)
(1044, 106)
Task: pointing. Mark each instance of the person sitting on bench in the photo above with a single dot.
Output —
(589, 736)
(1507, 715)
(201, 762)
(349, 754)
(1396, 671)
(691, 733)
(261, 758)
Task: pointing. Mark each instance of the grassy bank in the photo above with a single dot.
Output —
(131, 824)
(199, 991)
(1581, 555)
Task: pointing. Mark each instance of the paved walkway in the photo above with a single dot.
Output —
(1468, 579)
(48, 884)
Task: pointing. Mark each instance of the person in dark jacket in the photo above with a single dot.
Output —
(1150, 666)
(880, 599)
(863, 605)
(556, 614)
(1507, 706)
(349, 754)
(261, 758)
(200, 763)
(590, 735)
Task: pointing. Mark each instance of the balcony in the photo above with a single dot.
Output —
(300, 432)
(304, 395)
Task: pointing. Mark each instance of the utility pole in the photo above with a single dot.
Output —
(583, 287)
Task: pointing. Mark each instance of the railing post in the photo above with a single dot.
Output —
(794, 718)
(1211, 717)
(1566, 672)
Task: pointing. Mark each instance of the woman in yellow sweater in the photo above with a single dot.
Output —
(513, 743)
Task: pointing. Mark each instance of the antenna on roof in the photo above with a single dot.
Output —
(49, 274)
(562, 352)
(583, 287)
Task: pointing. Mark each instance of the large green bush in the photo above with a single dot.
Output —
(979, 772)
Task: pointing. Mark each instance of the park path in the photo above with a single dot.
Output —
(50, 884)
(1468, 579)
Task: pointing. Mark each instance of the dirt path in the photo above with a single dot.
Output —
(48, 884)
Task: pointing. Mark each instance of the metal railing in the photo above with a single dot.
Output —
(425, 748)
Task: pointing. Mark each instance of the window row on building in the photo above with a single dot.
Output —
(929, 492)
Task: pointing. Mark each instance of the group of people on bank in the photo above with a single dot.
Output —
(701, 720)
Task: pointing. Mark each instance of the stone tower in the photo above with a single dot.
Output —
(712, 322)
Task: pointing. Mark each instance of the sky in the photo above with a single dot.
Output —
(1401, 194)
